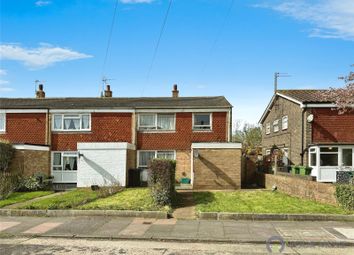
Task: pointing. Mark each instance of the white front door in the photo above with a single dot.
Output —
(64, 167)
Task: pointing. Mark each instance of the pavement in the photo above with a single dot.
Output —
(255, 232)
(186, 206)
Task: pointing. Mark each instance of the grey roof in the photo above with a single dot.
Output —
(304, 95)
(115, 103)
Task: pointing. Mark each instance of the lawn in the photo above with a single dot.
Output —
(261, 201)
(137, 199)
(19, 197)
(68, 200)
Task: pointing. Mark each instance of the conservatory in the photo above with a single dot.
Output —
(326, 160)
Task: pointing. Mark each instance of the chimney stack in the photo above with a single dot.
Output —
(108, 92)
(40, 92)
(175, 91)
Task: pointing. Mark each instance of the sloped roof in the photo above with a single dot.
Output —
(115, 103)
(304, 95)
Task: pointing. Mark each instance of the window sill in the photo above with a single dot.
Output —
(73, 132)
(202, 130)
(2, 132)
(157, 131)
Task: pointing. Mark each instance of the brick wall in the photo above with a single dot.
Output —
(299, 187)
(31, 161)
(184, 136)
(183, 163)
(25, 128)
(216, 169)
(105, 127)
(289, 138)
(330, 127)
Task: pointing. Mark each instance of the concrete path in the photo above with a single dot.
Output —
(186, 205)
(337, 233)
(17, 205)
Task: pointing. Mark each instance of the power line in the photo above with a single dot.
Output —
(218, 35)
(158, 42)
(109, 40)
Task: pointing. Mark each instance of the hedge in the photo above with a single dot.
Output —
(345, 195)
(6, 154)
(162, 175)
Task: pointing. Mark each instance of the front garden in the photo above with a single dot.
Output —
(261, 201)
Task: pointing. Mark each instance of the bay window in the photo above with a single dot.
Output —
(329, 156)
(71, 122)
(347, 157)
(2, 122)
(156, 121)
(313, 157)
(202, 121)
(144, 157)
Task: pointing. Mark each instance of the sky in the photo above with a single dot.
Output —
(208, 48)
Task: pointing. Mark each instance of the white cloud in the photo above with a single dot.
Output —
(42, 3)
(136, 1)
(3, 72)
(40, 57)
(3, 82)
(330, 18)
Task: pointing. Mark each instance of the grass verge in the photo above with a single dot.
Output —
(19, 197)
(136, 199)
(261, 201)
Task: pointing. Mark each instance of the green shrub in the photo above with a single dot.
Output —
(35, 182)
(162, 176)
(345, 195)
(6, 154)
(8, 184)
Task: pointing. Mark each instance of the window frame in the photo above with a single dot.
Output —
(330, 153)
(286, 117)
(155, 127)
(195, 127)
(268, 128)
(65, 116)
(276, 125)
(3, 113)
(62, 155)
(155, 156)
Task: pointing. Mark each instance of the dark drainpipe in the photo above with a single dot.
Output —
(302, 134)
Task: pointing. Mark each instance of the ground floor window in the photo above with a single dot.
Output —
(330, 156)
(64, 161)
(144, 157)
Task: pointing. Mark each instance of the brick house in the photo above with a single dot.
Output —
(309, 132)
(89, 141)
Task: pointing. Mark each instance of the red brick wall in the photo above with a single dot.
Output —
(330, 127)
(184, 136)
(105, 127)
(25, 128)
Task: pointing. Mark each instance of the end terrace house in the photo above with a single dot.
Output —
(310, 132)
(91, 141)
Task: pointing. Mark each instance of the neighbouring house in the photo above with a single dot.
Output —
(94, 141)
(308, 131)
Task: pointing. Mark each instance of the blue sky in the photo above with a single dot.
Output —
(205, 48)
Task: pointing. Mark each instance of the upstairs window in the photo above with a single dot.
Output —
(71, 122)
(202, 121)
(267, 128)
(156, 122)
(276, 126)
(2, 122)
(284, 124)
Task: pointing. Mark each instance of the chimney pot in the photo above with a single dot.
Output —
(175, 91)
(40, 92)
(108, 92)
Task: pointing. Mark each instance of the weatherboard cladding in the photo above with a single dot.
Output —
(115, 103)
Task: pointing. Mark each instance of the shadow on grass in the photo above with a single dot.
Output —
(190, 198)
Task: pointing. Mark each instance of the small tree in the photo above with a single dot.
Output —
(250, 136)
(342, 97)
(6, 154)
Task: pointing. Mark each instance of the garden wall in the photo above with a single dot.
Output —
(299, 186)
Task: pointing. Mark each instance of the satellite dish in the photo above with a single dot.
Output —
(310, 118)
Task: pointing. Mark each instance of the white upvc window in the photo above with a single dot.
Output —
(276, 126)
(71, 122)
(267, 128)
(144, 157)
(284, 122)
(2, 121)
(202, 121)
(313, 157)
(267, 152)
(329, 156)
(64, 161)
(157, 121)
